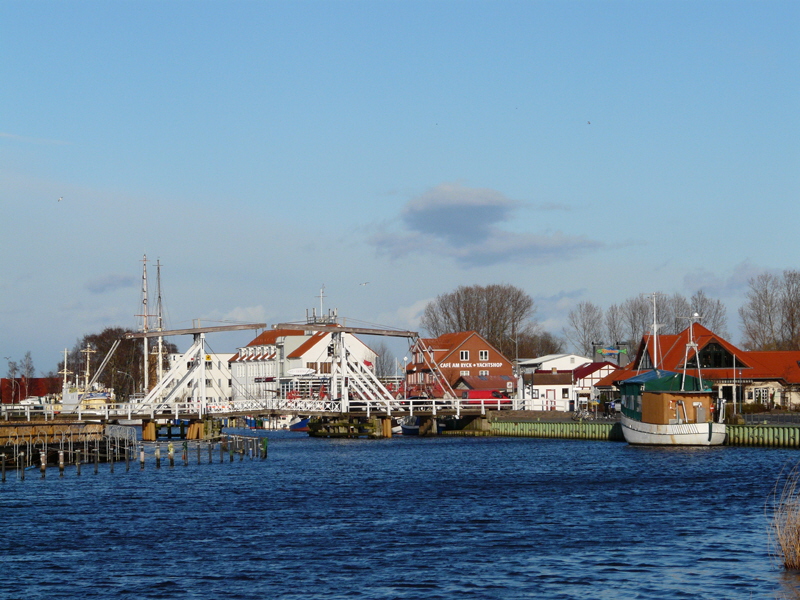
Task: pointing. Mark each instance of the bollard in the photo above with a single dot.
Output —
(43, 461)
(60, 463)
(77, 462)
(141, 456)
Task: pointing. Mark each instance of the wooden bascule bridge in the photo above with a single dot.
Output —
(355, 401)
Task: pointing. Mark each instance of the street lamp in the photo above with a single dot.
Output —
(405, 378)
(133, 382)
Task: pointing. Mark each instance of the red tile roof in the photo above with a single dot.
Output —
(757, 365)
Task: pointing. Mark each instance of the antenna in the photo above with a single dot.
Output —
(321, 297)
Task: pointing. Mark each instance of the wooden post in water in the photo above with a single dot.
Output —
(60, 463)
(264, 447)
(22, 466)
(111, 458)
(171, 454)
(158, 456)
(3, 467)
(141, 457)
(78, 462)
(96, 459)
(43, 461)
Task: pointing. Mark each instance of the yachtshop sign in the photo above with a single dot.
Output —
(469, 365)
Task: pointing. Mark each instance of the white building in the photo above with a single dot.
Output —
(217, 378)
(289, 362)
(559, 362)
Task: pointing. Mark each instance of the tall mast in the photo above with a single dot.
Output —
(159, 323)
(88, 351)
(654, 334)
(145, 317)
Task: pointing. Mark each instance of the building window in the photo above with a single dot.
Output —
(464, 355)
(483, 355)
(565, 393)
(483, 373)
(464, 373)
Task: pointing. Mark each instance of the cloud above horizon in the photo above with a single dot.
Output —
(110, 283)
(465, 224)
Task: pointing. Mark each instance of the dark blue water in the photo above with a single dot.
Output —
(402, 518)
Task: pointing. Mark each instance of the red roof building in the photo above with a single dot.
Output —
(437, 363)
(769, 377)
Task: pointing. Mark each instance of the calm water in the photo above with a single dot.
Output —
(402, 518)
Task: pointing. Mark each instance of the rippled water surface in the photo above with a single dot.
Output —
(402, 518)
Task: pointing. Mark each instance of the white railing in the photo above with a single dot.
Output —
(175, 410)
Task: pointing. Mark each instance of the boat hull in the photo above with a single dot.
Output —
(684, 434)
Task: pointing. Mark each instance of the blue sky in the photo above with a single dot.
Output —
(578, 150)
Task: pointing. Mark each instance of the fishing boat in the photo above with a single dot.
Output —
(664, 408)
(298, 424)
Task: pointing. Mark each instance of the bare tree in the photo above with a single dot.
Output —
(637, 315)
(585, 327)
(790, 310)
(499, 313)
(384, 360)
(614, 325)
(712, 312)
(535, 344)
(673, 318)
(761, 313)
(26, 370)
(124, 371)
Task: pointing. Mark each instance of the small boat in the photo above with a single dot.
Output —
(411, 426)
(298, 424)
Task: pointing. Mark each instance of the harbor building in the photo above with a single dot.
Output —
(218, 384)
(768, 377)
(291, 362)
(463, 354)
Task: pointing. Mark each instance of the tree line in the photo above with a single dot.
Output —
(505, 316)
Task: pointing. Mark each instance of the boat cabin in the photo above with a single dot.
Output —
(664, 398)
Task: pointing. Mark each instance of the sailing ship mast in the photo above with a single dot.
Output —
(159, 324)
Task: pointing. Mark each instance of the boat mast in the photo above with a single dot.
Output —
(159, 323)
(145, 316)
(692, 345)
(88, 351)
(654, 333)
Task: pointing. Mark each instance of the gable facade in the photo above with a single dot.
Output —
(457, 355)
(768, 377)
(285, 361)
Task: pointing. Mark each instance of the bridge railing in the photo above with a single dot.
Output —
(175, 410)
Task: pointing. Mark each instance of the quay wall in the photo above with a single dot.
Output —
(767, 436)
